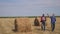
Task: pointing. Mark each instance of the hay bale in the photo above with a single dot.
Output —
(36, 22)
(24, 24)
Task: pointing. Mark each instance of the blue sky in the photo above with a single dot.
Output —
(29, 7)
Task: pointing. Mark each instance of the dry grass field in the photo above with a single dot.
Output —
(7, 26)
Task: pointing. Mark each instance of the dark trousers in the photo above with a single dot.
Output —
(53, 26)
(43, 26)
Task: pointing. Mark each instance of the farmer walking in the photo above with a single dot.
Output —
(43, 20)
(53, 20)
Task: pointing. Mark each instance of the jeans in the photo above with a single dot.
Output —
(43, 26)
(53, 26)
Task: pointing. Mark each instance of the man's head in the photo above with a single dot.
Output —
(43, 15)
(53, 14)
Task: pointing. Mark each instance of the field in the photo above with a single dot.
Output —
(7, 26)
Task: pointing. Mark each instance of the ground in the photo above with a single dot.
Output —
(7, 26)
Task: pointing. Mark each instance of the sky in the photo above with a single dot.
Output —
(29, 7)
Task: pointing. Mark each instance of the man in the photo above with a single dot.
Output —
(53, 20)
(43, 20)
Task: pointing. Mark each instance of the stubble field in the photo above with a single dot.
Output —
(7, 26)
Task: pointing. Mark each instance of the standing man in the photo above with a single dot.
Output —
(43, 20)
(53, 20)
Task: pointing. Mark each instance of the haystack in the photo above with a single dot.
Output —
(23, 24)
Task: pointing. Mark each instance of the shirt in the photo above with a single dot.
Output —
(53, 19)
